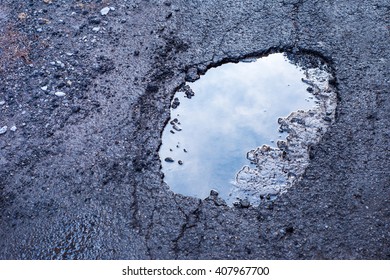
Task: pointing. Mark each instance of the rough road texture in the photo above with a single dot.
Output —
(80, 177)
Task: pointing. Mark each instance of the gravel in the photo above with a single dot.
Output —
(84, 174)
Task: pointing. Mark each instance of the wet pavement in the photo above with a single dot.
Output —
(87, 95)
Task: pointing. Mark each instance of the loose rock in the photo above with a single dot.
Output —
(3, 129)
(104, 11)
(60, 94)
(169, 159)
(244, 203)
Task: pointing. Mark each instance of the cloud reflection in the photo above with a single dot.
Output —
(235, 109)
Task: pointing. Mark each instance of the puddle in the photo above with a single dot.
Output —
(243, 129)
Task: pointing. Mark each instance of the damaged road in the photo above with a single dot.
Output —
(85, 92)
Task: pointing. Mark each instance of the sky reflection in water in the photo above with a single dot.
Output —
(235, 109)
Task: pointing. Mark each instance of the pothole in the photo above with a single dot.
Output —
(244, 129)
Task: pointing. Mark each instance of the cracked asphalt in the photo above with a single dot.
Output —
(80, 176)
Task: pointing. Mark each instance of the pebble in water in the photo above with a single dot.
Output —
(175, 103)
(169, 159)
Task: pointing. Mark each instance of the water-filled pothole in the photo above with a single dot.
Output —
(244, 129)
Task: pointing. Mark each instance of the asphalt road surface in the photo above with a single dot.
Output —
(85, 94)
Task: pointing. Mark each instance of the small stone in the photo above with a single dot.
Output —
(192, 74)
(60, 63)
(174, 122)
(245, 203)
(2, 102)
(175, 103)
(180, 162)
(282, 145)
(13, 128)
(44, 88)
(22, 16)
(242, 203)
(281, 232)
(104, 11)
(3, 129)
(176, 127)
(96, 29)
(169, 159)
(189, 93)
(76, 109)
(94, 20)
(214, 193)
(60, 93)
(236, 204)
(217, 200)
